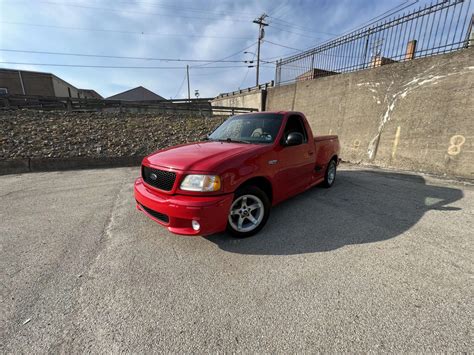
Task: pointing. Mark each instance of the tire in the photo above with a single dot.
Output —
(243, 221)
(330, 174)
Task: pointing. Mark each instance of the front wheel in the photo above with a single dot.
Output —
(249, 212)
(330, 175)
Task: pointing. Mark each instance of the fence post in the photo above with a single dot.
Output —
(470, 33)
(411, 49)
(69, 105)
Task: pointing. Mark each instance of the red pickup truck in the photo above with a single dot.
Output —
(230, 181)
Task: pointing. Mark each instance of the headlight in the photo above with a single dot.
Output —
(201, 183)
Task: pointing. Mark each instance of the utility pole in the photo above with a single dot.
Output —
(189, 90)
(260, 21)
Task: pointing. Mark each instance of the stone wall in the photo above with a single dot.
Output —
(415, 115)
(53, 134)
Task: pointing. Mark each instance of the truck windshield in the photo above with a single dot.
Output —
(249, 128)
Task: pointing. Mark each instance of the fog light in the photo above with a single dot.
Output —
(196, 225)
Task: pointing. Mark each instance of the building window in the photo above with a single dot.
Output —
(3, 91)
(69, 91)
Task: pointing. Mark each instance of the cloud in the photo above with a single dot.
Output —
(148, 20)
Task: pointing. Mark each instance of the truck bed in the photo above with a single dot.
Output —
(325, 138)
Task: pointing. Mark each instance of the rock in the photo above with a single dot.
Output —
(29, 133)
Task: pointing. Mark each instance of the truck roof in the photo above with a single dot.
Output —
(274, 112)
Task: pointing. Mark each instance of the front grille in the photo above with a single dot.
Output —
(161, 179)
(160, 216)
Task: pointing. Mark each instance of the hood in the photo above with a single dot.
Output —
(202, 156)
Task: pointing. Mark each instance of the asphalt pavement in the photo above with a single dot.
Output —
(381, 262)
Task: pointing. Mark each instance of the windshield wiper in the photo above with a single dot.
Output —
(230, 140)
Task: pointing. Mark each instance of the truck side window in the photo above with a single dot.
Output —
(295, 124)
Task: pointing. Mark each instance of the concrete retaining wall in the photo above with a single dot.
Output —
(29, 165)
(251, 99)
(416, 115)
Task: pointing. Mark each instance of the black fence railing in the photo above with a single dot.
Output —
(264, 86)
(435, 28)
(192, 106)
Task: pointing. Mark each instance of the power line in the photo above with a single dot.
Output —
(281, 29)
(281, 45)
(173, 2)
(164, 6)
(247, 72)
(214, 72)
(121, 57)
(277, 9)
(282, 14)
(132, 11)
(180, 87)
(280, 56)
(289, 24)
(183, 8)
(230, 56)
(115, 66)
(379, 17)
(141, 33)
(187, 76)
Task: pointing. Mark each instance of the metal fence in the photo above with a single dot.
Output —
(264, 86)
(435, 28)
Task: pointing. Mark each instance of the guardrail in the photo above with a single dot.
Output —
(250, 89)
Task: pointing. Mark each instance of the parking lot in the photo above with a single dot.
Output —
(383, 261)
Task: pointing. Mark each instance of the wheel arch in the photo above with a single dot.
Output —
(335, 157)
(262, 183)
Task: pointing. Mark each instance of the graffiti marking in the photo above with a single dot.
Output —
(456, 143)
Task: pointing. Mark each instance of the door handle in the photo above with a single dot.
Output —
(310, 153)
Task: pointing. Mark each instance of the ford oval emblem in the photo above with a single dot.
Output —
(153, 176)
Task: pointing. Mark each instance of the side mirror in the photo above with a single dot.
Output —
(294, 138)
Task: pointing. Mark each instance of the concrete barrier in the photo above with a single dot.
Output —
(16, 166)
(416, 115)
(252, 99)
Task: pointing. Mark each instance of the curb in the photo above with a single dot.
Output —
(16, 166)
(29, 165)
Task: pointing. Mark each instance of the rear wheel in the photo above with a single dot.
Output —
(249, 212)
(330, 175)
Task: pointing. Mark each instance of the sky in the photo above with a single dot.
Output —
(182, 29)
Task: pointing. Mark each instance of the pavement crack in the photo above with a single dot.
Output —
(112, 216)
(71, 330)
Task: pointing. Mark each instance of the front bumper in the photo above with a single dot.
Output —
(176, 212)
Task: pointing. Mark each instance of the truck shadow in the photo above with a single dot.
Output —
(362, 207)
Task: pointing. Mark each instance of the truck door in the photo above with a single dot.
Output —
(295, 163)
